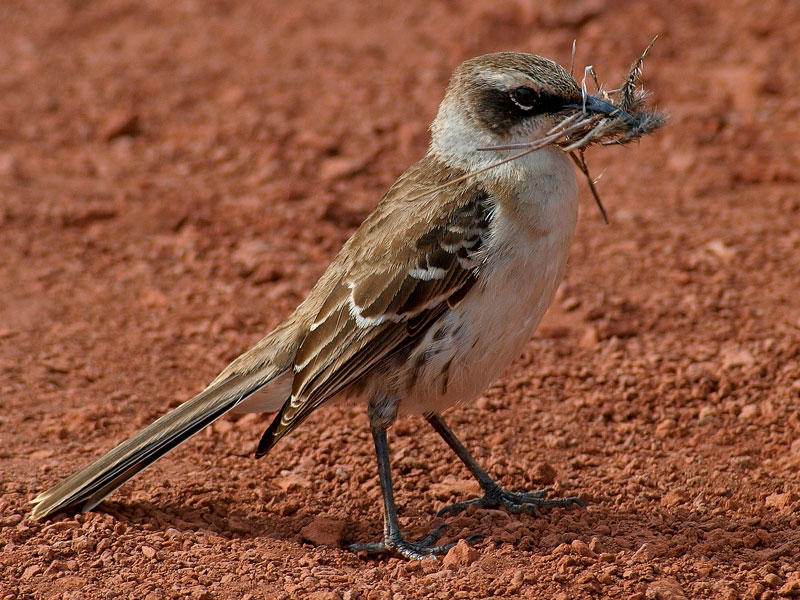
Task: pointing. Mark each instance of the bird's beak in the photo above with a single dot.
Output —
(596, 105)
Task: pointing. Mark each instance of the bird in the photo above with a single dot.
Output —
(434, 294)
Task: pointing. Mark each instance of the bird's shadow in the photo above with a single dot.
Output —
(214, 516)
(690, 533)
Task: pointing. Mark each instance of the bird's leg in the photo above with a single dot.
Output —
(392, 539)
(493, 495)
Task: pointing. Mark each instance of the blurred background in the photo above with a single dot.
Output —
(175, 176)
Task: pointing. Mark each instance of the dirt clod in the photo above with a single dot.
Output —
(121, 124)
(667, 588)
(460, 555)
(324, 532)
(791, 589)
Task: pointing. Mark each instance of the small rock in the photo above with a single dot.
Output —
(460, 555)
(608, 575)
(56, 566)
(780, 502)
(667, 588)
(706, 414)
(737, 357)
(721, 250)
(791, 588)
(589, 339)
(665, 428)
(562, 550)
(249, 255)
(725, 591)
(596, 546)
(121, 124)
(555, 441)
(795, 447)
(222, 426)
(749, 412)
(289, 480)
(581, 548)
(645, 553)
(30, 572)
(324, 531)
(148, 551)
(232, 96)
(743, 462)
(482, 403)
(681, 161)
(83, 544)
(337, 167)
(153, 298)
(323, 595)
(672, 498)
(451, 486)
(198, 592)
(772, 580)
(754, 590)
(545, 473)
(570, 303)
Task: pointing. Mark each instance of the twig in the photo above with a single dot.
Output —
(588, 128)
(572, 60)
(627, 96)
(584, 168)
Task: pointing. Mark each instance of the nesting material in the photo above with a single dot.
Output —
(633, 120)
(582, 128)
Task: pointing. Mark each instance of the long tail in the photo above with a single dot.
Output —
(88, 487)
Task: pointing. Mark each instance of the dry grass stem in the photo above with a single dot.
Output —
(580, 128)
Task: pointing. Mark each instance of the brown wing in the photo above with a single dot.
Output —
(386, 298)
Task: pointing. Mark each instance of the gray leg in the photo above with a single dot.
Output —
(493, 495)
(392, 539)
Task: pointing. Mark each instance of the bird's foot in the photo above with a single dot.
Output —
(514, 502)
(411, 550)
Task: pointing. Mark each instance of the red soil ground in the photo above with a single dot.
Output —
(175, 176)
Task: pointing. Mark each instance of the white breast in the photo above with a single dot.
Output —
(527, 257)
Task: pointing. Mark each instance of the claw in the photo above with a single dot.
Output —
(433, 536)
(458, 507)
(411, 550)
(517, 503)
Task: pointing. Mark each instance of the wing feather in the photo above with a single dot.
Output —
(385, 296)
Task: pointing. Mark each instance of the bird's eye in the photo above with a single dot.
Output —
(524, 97)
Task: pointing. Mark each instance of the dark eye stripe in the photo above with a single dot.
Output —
(499, 111)
(533, 102)
(525, 97)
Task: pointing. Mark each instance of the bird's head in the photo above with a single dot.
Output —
(503, 98)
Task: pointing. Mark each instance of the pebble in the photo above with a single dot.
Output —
(665, 589)
(324, 531)
(781, 502)
(122, 124)
(460, 555)
(545, 473)
(792, 587)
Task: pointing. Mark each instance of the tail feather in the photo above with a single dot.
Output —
(89, 486)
